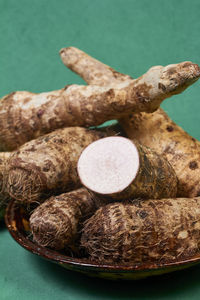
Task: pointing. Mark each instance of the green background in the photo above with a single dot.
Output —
(131, 36)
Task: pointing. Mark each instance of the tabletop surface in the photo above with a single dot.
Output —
(131, 36)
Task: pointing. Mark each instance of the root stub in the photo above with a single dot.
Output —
(109, 165)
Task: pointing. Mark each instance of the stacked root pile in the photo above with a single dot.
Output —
(161, 163)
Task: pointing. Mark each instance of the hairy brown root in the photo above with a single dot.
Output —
(151, 231)
(56, 223)
(47, 165)
(24, 185)
(4, 197)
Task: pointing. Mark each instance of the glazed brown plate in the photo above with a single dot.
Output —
(18, 225)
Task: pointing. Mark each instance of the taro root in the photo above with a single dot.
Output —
(159, 132)
(56, 222)
(144, 232)
(25, 116)
(90, 69)
(3, 195)
(120, 169)
(47, 165)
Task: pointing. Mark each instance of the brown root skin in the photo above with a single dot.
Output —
(47, 165)
(156, 178)
(155, 130)
(91, 70)
(56, 222)
(159, 132)
(5, 155)
(151, 231)
(142, 173)
(4, 197)
(25, 116)
(174, 78)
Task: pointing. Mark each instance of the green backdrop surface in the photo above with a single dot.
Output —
(131, 36)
